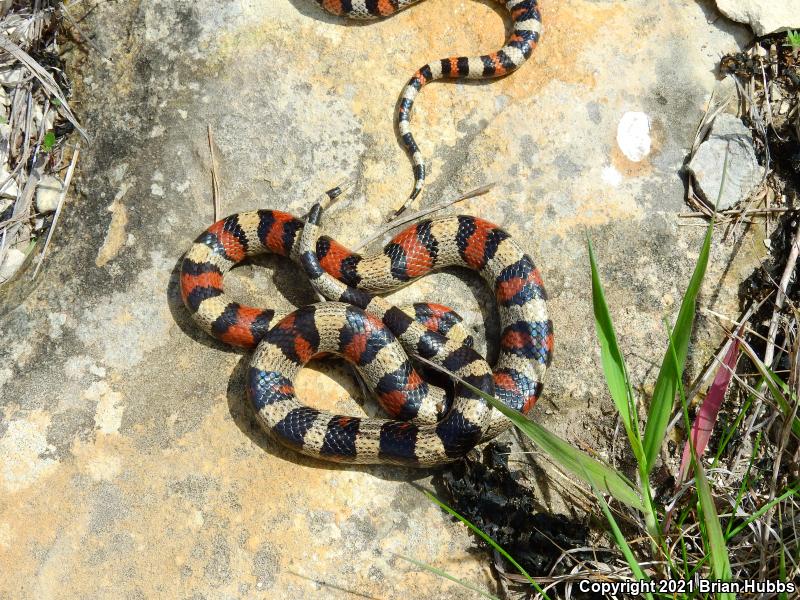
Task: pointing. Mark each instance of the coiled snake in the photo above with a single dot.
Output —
(426, 428)
(527, 27)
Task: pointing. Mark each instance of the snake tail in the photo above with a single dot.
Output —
(526, 30)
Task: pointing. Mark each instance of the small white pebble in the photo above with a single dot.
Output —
(48, 193)
(5, 136)
(633, 135)
(11, 77)
(11, 264)
(156, 190)
(10, 189)
(38, 115)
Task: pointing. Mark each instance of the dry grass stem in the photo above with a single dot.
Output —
(411, 217)
(214, 178)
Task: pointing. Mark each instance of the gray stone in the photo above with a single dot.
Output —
(9, 187)
(48, 193)
(728, 136)
(12, 261)
(763, 16)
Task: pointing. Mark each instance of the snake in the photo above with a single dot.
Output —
(427, 426)
(526, 30)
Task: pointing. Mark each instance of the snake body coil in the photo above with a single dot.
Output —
(426, 428)
(527, 27)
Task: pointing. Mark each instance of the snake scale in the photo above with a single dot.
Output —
(526, 29)
(426, 428)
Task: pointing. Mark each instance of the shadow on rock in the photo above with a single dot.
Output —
(502, 504)
(182, 317)
(490, 314)
(244, 416)
(296, 290)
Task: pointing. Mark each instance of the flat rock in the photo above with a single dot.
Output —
(763, 16)
(132, 465)
(728, 136)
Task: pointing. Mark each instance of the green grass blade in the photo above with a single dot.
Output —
(672, 366)
(757, 515)
(780, 398)
(621, 542)
(618, 381)
(486, 538)
(446, 575)
(569, 458)
(776, 386)
(715, 540)
(616, 373)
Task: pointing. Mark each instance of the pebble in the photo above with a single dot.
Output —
(728, 135)
(9, 185)
(48, 193)
(633, 135)
(38, 115)
(13, 261)
(12, 77)
(5, 136)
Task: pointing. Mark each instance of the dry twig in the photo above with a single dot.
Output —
(394, 224)
(791, 261)
(61, 197)
(214, 178)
